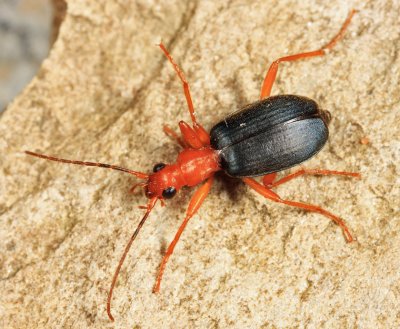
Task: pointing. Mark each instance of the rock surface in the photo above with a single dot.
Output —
(104, 93)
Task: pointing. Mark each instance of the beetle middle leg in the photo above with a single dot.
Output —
(269, 194)
(273, 69)
(194, 205)
(269, 180)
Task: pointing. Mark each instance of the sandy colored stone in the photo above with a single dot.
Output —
(104, 93)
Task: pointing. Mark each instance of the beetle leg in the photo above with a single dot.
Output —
(195, 137)
(200, 131)
(170, 133)
(273, 69)
(184, 82)
(194, 205)
(267, 193)
(268, 180)
(203, 135)
(190, 136)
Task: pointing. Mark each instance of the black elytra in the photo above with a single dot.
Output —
(271, 135)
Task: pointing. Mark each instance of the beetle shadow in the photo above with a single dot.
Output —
(232, 185)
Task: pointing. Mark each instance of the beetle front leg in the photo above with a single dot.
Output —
(190, 136)
(267, 193)
(273, 69)
(194, 205)
(172, 134)
(269, 180)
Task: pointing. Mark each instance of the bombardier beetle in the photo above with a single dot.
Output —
(263, 138)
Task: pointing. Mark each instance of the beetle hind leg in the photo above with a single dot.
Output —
(269, 180)
(267, 193)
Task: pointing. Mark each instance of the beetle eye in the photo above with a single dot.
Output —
(169, 192)
(158, 167)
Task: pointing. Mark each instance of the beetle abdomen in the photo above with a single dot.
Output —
(269, 136)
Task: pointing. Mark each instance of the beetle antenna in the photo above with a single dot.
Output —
(150, 206)
(90, 164)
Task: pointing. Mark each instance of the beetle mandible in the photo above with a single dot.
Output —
(261, 139)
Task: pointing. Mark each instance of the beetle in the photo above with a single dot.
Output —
(263, 138)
